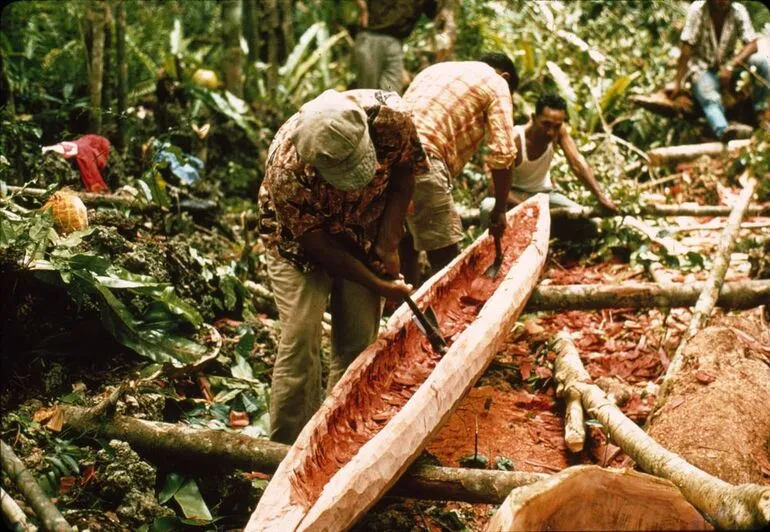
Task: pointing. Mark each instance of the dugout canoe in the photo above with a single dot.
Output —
(398, 392)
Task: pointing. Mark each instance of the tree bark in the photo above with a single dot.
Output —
(271, 16)
(287, 28)
(97, 16)
(250, 22)
(737, 295)
(689, 152)
(120, 53)
(107, 92)
(178, 445)
(712, 287)
(13, 516)
(232, 58)
(44, 509)
(724, 505)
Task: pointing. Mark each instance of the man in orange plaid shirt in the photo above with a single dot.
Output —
(455, 105)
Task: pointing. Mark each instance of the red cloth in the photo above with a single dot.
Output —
(93, 151)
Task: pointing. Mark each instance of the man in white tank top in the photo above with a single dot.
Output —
(535, 143)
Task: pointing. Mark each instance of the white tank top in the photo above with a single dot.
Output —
(532, 176)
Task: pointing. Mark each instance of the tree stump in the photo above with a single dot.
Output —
(717, 414)
(592, 498)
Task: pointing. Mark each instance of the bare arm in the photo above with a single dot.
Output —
(580, 168)
(363, 13)
(326, 251)
(502, 181)
(685, 53)
(726, 71)
(400, 189)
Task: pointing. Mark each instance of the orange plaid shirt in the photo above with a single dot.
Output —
(454, 104)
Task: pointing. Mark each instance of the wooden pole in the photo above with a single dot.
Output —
(712, 287)
(41, 504)
(724, 505)
(688, 152)
(737, 294)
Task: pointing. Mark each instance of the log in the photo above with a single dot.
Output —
(717, 416)
(13, 516)
(712, 287)
(470, 216)
(398, 392)
(93, 199)
(574, 429)
(689, 152)
(177, 445)
(44, 509)
(735, 295)
(724, 505)
(592, 498)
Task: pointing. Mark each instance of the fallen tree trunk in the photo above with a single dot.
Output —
(736, 295)
(717, 416)
(13, 516)
(44, 509)
(470, 215)
(724, 505)
(688, 152)
(168, 443)
(712, 287)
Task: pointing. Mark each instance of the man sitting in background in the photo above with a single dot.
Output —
(536, 142)
(708, 41)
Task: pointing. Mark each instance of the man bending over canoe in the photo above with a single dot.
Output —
(455, 105)
(536, 143)
(338, 180)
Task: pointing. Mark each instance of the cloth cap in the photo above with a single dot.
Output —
(332, 135)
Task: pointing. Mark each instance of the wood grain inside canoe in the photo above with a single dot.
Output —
(398, 392)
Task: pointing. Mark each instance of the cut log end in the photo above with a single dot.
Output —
(592, 498)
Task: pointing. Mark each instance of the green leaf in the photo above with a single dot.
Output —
(157, 345)
(241, 368)
(246, 343)
(227, 286)
(299, 50)
(171, 485)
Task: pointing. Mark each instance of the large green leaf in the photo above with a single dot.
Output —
(159, 345)
(189, 498)
(299, 50)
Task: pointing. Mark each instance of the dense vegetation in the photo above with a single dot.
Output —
(214, 80)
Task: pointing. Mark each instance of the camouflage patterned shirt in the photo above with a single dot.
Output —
(295, 199)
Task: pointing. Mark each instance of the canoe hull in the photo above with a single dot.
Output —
(353, 488)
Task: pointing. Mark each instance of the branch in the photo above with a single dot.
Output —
(44, 509)
(724, 505)
(713, 285)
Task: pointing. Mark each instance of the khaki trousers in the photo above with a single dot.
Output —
(301, 299)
